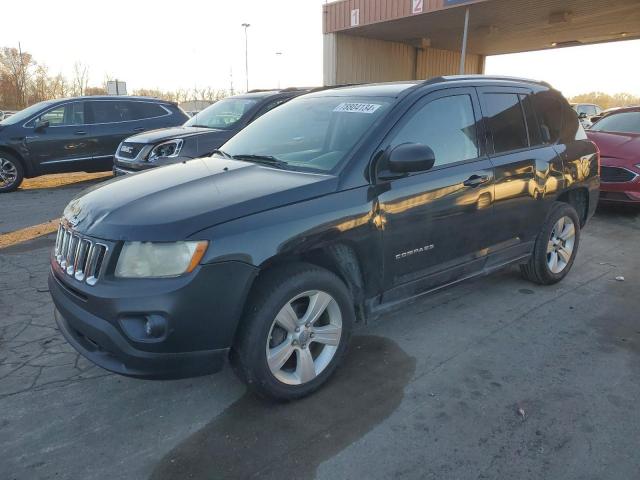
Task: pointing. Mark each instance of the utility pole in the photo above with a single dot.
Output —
(279, 55)
(246, 52)
(463, 55)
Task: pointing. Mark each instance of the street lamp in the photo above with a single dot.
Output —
(279, 55)
(246, 52)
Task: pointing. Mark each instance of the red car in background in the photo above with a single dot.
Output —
(617, 135)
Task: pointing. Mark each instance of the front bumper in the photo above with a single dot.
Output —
(201, 312)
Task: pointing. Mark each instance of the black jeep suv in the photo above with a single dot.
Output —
(75, 134)
(201, 134)
(327, 210)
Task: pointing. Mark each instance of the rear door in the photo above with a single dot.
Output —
(436, 223)
(115, 120)
(63, 146)
(528, 171)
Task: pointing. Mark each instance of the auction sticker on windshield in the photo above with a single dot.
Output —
(357, 107)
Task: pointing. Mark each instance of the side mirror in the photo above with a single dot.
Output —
(41, 125)
(410, 158)
(582, 116)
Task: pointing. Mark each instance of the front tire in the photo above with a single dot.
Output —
(555, 248)
(11, 172)
(295, 332)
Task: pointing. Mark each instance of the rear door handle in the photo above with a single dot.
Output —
(476, 180)
(139, 129)
(80, 132)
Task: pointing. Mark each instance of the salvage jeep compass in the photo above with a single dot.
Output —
(334, 207)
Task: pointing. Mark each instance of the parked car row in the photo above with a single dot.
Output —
(84, 133)
(334, 207)
(201, 135)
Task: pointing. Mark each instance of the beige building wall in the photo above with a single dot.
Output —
(352, 59)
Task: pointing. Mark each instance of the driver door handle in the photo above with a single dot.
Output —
(80, 132)
(139, 129)
(476, 180)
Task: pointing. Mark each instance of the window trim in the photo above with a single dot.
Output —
(63, 104)
(420, 102)
(512, 90)
(86, 106)
(127, 121)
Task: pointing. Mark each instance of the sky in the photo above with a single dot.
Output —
(201, 43)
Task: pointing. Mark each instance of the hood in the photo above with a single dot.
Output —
(155, 136)
(171, 203)
(623, 146)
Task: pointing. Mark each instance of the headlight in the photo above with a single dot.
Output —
(166, 149)
(148, 260)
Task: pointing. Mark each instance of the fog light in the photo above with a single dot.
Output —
(155, 326)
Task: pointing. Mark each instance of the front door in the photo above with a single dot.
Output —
(65, 144)
(436, 224)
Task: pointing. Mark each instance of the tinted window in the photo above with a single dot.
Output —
(532, 123)
(571, 128)
(22, 115)
(68, 114)
(143, 110)
(222, 114)
(447, 125)
(315, 133)
(506, 121)
(623, 122)
(110, 111)
(271, 106)
(549, 112)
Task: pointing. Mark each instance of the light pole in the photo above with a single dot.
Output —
(279, 55)
(246, 52)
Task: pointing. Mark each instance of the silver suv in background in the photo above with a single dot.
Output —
(586, 111)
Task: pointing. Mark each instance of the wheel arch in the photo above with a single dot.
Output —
(339, 258)
(28, 170)
(578, 198)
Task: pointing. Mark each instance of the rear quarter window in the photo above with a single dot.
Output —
(142, 110)
(549, 112)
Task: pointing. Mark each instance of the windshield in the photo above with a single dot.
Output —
(222, 114)
(23, 115)
(312, 133)
(623, 122)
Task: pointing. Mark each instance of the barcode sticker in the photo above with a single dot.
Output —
(357, 107)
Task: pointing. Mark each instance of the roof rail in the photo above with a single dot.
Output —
(451, 78)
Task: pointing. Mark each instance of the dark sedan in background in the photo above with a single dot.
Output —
(617, 135)
(75, 134)
(201, 135)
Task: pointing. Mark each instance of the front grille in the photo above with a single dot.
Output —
(79, 257)
(616, 175)
(130, 150)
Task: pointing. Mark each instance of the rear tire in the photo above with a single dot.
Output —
(295, 332)
(11, 172)
(555, 248)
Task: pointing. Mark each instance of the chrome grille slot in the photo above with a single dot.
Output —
(79, 257)
(94, 263)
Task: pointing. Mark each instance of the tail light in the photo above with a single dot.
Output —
(597, 155)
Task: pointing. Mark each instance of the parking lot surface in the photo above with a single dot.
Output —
(494, 378)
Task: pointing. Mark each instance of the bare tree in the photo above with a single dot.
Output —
(80, 80)
(17, 67)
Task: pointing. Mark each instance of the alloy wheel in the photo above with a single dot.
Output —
(8, 172)
(561, 244)
(304, 337)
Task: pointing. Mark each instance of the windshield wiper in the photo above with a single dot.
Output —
(200, 126)
(221, 153)
(264, 159)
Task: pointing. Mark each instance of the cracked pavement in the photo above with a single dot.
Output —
(505, 380)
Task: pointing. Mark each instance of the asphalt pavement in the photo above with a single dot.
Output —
(496, 378)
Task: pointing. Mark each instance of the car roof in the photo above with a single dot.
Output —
(113, 97)
(395, 89)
